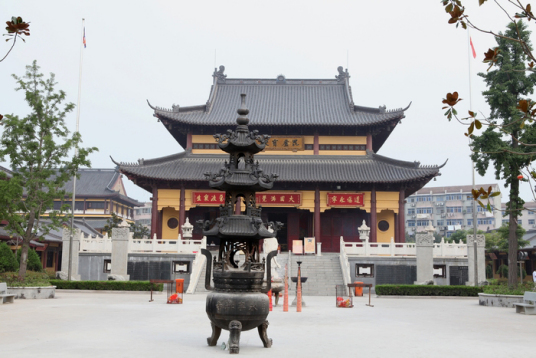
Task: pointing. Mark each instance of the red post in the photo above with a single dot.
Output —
(401, 216)
(316, 145)
(373, 217)
(298, 292)
(285, 298)
(317, 216)
(270, 298)
(154, 212)
(369, 141)
(182, 210)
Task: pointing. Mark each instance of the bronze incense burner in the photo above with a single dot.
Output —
(238, 300)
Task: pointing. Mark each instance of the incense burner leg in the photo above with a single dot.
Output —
(216, 331)
(235, 327)
(264, 334)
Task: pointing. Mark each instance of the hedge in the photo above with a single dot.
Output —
(107, 285)
(427, 290)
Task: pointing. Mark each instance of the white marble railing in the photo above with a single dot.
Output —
(366, 248)
(197, 267)
(104, 244)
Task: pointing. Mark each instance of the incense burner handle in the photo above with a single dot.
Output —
(268, 286)
(208, 255)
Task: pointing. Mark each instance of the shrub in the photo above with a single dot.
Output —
(33, 263)
(504, 290)
(32, 279)
(503, 271)
(107, 285)
(427, 290)
(8, 262)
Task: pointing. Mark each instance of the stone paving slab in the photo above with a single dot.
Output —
(127, 325)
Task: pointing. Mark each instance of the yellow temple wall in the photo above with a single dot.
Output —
(389, 216)
(167, 233)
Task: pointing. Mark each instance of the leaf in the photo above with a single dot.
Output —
(481, 2)
(471, 128)
(495, 194)
(480, 203)
(523, 105)
(489, 190)
(478, 125)
(472, 114)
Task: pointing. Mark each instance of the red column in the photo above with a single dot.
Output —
(317, 216)
(189, 140)
(238, 207)
(373, 217)
(397, 228)
(182, 211)
(369, 141)
(154, 212)
(401, 216)
(316, 145)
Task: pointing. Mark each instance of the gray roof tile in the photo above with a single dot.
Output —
(370, 168)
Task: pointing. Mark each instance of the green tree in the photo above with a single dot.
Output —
(508, 83)
(139, 230)
(37, 147)
(8, 261)
(33, 263)
(499, 240)
(112, 222)
(458, 237)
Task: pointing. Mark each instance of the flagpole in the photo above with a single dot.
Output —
(76, 150)
(470, 51)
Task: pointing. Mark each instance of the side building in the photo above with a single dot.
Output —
(527, 219)
(323, 147)
(450, 208)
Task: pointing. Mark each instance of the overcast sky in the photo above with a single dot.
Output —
(397, 52)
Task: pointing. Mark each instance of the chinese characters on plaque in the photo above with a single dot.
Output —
(309, 245)
(345, 199)
(217, 198)
(285, 143)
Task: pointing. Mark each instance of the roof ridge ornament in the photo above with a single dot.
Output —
(218, 74)
(343, 74)
(243, 111)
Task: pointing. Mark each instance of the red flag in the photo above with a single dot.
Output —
(472, 47)
(84, 39)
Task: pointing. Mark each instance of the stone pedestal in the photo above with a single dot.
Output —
(481, 259)
(120, 237)
(425, 257)
(318, 249)
(63, 274)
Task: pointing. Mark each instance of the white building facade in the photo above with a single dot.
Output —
(450, 208)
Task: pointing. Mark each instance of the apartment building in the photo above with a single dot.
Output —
(527, 219)
(450, 208)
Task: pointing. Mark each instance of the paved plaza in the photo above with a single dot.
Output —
(86, 324)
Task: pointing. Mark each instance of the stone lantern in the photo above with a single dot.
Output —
(187, 229)
(364, 232)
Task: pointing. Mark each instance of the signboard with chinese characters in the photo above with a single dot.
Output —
(204, 197)
(278, 199)
(345, 199)
(285, 143)
(309, 245)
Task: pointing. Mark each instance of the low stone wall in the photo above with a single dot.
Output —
(32, 292)
(487, 299)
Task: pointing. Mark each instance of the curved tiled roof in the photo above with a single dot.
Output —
(285, 102)
(370, 168)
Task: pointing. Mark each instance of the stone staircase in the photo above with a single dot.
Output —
(322, 272)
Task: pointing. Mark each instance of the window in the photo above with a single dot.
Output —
(449, 233)
(468, 209)
(383, 225)
(469, 197)
(424, 210)
(531, 212)
(440, 222)
(95, 204)
(364, 270)
(411, 200)
(455, 222)
(454, 197)
(173, 223)
(422, 222)
(57, 205)
(107, 266)
(454, 209)
(439, 198)
(470, 222)
(488, 222)
(181, 266)
(520, 222)
(440, 271)
(505, 221)
(411, 223)
(411, 211)
(424, 198)
(531, 221)
(79, 205)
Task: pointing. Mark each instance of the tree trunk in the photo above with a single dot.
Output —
(25, 246)
(512, 225)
